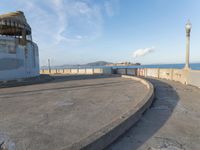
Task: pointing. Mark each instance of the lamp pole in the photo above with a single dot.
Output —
(188, 27)
(49, 65)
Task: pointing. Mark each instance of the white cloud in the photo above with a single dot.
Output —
(55, 21)
(58, 25)
(142, 52)
(111, 7)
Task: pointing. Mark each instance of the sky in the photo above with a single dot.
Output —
(82, 31)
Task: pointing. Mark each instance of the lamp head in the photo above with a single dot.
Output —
(188, 26)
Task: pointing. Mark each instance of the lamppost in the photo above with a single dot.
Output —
(49, 65)
(188, 27)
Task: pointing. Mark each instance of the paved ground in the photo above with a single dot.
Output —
(52, 116)
(172, 123)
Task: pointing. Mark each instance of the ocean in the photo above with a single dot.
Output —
(194, 66)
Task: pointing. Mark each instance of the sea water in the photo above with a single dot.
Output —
(194, 66)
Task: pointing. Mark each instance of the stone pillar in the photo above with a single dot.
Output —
(187, 59)
(23, 37)
(92, 70)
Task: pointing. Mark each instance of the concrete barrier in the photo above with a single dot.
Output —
(184, 76)
(180, 75)
(97, 71)
(194, 78)
(89, 71)
(82, 71)
(67, 71)
(108, 134)
(152, 72)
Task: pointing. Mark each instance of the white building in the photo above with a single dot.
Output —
(19, 56)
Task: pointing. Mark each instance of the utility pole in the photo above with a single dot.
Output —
(49, 65)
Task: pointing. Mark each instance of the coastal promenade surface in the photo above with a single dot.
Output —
(172, 123)
(54, 115)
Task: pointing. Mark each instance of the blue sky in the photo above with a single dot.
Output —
(81, 31)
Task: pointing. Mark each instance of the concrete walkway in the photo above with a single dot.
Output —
(54, 115)
(172, 123)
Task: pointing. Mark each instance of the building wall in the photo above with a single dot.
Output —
(17, 61)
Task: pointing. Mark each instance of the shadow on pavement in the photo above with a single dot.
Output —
(45, 79)
(166, 99)
(61, 78)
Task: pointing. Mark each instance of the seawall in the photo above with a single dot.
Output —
(185, 76)
(77, 71)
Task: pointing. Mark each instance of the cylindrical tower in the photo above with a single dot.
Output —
(19, 57)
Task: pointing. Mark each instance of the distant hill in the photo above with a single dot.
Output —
(98, 63)
(92, 64)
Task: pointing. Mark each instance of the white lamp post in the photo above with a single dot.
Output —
(188, 27)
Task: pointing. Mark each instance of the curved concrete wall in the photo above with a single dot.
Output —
(191, 77)
(18, 61)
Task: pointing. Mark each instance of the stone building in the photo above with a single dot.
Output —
(19, 56)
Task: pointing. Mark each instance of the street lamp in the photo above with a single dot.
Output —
(49, 65)
(188, 28)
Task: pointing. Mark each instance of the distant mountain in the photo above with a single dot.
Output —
(98, 63)
(92, 64)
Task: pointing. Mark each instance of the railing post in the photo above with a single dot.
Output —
(158, 73)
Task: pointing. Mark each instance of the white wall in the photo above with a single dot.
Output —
(28, 65)
(184, 76)
(105, 70)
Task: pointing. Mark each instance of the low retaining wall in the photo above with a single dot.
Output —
(106, 70)
(108, 134)
(185, 76)
(194, 77)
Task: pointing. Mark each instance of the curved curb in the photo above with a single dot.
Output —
(109, 133)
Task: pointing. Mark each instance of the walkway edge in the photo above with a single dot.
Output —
(108, 134)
